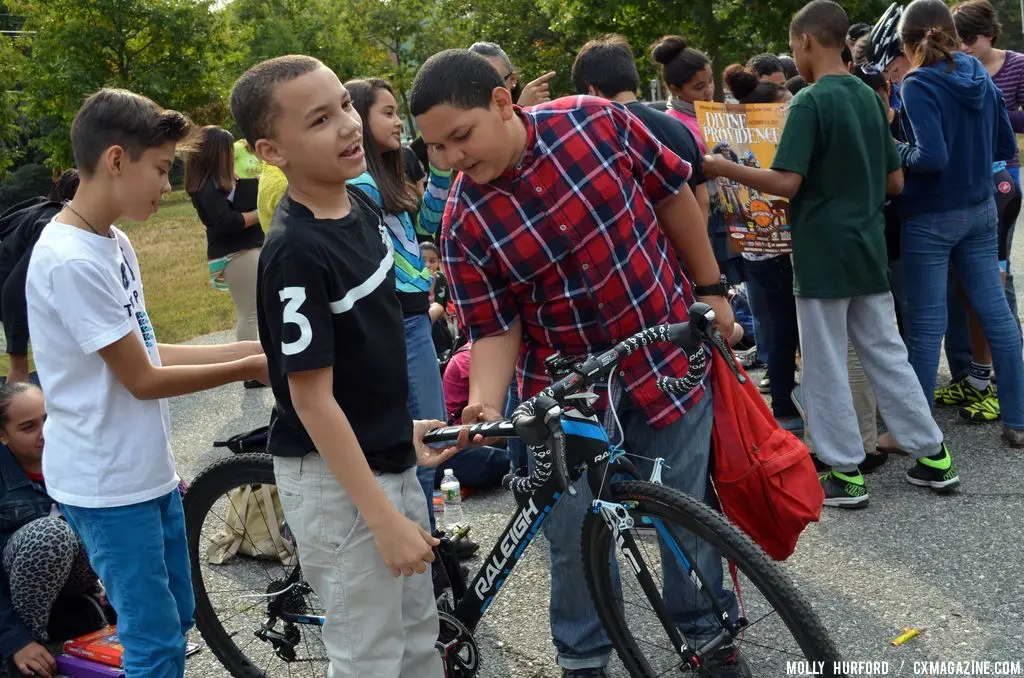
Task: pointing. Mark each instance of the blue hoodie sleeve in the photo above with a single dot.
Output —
(1006, 141)
(929, 152)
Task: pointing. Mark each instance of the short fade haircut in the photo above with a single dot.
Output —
(456, 77)
(823, 20)
(607, 64)
(252, 97)
(117, 117)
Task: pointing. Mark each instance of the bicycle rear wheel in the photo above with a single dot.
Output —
(772, 624)
(233, 600)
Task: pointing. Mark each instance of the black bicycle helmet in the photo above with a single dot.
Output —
(886, 45)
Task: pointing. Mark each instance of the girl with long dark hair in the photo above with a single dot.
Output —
(233, 238)
(385, 182)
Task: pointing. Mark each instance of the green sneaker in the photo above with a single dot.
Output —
(960, 393)
(939, 475)
(982, 412)
(844, 490)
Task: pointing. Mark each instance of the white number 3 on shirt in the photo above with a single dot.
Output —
(294, 298)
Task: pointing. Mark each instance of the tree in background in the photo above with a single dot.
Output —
(186, 54)
(160, 48)
(11, 57)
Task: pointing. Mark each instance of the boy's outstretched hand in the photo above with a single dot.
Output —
(426, 455)
(714, 165)
(406, 548)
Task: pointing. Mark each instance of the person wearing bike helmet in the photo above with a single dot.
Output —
(886, 54)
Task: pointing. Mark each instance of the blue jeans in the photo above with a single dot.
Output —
(770, 293)
(760, 322)
(140, 553)
(426, 397)
(958, 336)
(968, 238)
(685, 445)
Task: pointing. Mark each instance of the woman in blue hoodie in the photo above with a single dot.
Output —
(956, 125)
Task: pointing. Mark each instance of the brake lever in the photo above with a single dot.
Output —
(718, 344)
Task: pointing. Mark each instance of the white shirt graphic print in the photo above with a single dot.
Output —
(104, 447)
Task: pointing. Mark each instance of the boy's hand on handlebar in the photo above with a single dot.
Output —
(478, 413)
(426, 455)
(724, 319)
(405, 546)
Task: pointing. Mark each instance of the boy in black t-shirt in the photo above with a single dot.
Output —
(331, 325)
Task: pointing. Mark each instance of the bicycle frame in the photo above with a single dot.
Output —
(533, 509)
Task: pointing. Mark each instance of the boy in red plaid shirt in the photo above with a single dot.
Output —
(556, 238)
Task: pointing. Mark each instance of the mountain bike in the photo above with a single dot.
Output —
(635, 525)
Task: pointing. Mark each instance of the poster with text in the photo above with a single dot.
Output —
(748, 134)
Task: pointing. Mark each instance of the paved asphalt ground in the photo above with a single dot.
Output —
(952, 566)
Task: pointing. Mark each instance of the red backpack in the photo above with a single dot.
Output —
(764, 475)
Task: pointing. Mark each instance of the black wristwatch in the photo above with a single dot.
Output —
(720, 289)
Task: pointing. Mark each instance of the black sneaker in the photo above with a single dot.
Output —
(844, 490)
(584, 673)
(250, 384)
(725, 662)
(873, 461)
(940, 475)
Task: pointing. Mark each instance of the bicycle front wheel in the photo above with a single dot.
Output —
(250, 610)
(710, 614)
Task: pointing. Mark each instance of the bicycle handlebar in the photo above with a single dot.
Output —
(537, 421)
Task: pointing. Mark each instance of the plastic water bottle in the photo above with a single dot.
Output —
(451, 492)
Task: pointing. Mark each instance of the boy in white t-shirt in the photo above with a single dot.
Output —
(108, 460)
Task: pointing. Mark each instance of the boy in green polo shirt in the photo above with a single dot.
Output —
(836, 161)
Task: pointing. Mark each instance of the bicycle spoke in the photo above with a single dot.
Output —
(675, 555)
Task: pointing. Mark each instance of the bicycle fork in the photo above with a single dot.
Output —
(620, 523)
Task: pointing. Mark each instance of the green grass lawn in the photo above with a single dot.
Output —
(171, 247)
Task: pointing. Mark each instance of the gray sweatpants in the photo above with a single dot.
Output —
(377, 625)
(826, 325)
(864, 405)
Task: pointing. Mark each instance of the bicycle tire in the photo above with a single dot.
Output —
(211, 484)
(700, 520)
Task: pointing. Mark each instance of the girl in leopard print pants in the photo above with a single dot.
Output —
(41, 557)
